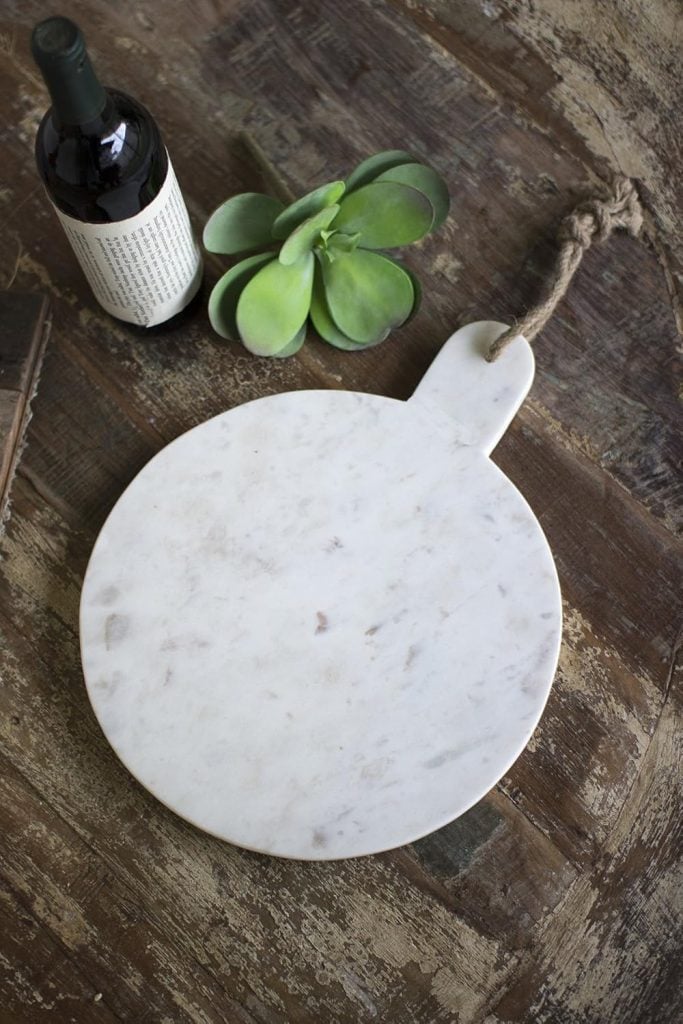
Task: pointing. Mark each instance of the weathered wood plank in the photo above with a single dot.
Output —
(74, 897)
(37, 977)
(613, 952)
(619, 566)
(554, 899)
(494, 868)
(11, 409)
(24, 327)
(605, 81)
(620, 575)
(21, 335)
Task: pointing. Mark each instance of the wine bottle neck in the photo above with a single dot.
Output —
(58, 49)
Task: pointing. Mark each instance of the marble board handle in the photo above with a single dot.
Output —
(482, 397)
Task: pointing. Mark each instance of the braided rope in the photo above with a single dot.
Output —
(592, 221)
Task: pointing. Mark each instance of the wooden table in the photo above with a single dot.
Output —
(557, 898)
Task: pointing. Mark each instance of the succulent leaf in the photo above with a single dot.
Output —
(242, 223)
(367, 294)
(306, 207)
(386, 214)
(321, 319)
(226, 293)
(274, 305)
(339, 242)
(294, 345)
(417, 287)
(417, 294)
(368, 170)
(425, 180)
(303, 238)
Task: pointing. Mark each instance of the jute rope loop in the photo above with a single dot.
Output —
(592, 221)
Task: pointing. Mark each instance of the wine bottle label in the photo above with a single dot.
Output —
(144, 269)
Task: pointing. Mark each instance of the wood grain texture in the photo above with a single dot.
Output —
(556, 900)
(24, 328)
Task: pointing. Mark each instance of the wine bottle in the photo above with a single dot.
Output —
(108, 175)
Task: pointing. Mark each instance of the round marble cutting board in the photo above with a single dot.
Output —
(324, 624)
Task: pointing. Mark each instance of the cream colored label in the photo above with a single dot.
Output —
(144, 269)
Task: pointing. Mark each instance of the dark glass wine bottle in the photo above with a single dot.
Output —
(101, 157)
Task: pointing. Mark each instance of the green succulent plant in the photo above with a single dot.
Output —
(319, 258)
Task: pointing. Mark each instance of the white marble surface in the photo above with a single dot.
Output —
(483, 397)
(321, 625)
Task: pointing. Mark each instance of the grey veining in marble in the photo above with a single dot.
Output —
(324, 624)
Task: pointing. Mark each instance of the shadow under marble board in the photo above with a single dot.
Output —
(324, 624)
